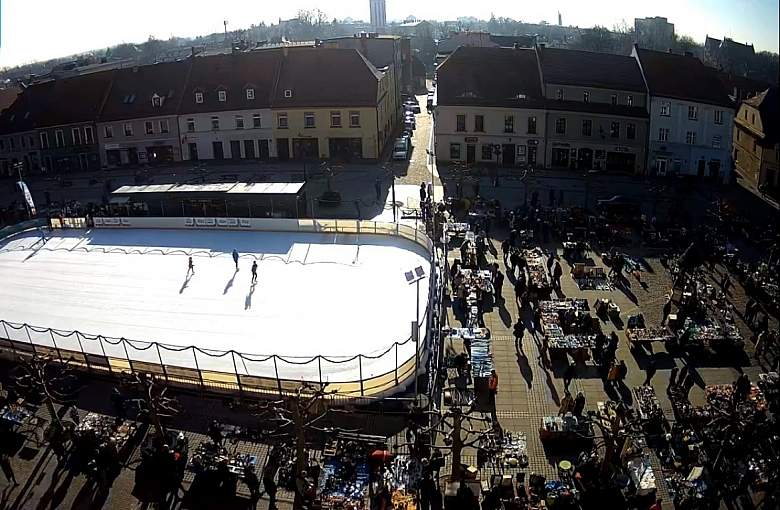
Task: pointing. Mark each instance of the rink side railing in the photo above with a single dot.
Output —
(231, 371)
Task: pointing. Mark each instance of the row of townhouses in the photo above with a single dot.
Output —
(650, 112)
(309, 102)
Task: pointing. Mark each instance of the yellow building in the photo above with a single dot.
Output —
(757, 140)
(330, 103)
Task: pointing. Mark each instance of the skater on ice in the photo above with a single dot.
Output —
(235, 258)
(254, 272)
(191, 267)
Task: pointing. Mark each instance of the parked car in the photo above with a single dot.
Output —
(401, 149)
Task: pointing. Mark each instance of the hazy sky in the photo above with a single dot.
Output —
(42, 29)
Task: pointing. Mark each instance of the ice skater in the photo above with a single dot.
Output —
(235, 258)
(254, 272)
(190, 267)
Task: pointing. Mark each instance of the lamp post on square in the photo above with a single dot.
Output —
(414, 276)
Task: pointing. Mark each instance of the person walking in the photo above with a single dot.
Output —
(520, 291)
(498, 284)
(749, 311)
(269, 480)
(667, 310)
(569, 374)
(423, 193)
(254, 272)
(378, 188)
(235, 258)
(518, 330)
(505, 249)
(190, 267)
(493, 391)
(760, 344)
(8, 470)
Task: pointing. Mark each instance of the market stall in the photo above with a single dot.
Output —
(539, 286)
(568, 326)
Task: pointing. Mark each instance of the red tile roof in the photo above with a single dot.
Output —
(590, 69)
(319, 77)
(134, 87)
(482, 76)
(681, 77)
(69, 100)
(233, 73)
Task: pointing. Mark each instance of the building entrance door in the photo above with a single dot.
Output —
(508, 154)
(471, 153)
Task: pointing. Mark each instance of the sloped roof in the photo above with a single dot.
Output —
(768, 107)
(8, 96)
(233, 73)
(590, 69)
(17, 117)
(326, 77)
(67, 100)
(681, 77)
(474, 76)
(597, 108)
(133, 88)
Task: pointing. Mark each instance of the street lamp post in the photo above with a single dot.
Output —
(414, 276)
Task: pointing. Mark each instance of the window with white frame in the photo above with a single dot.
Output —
(614, 99)
(76, 134)
(560, 126)
(149, 127)
(128, 129)
(256, 121)
(108, 132)
(454, 151)
(89, 135)
(164, 128)
(509, 123)
(250, 94)
(693, 112)
(479, 123)
(354, 119)
(308, 120)
(521, 150)
(532, 125)
(221, 96)
(663, 134)
(157, 101)
(239, 122)
(460, 123)
(717, 140)
(335, 119)
(630, 131)
(45, 140)
(614, 130)
(586, 97)
(587, 127)
(199, 97)
(718, 116)
(630, 100)
(487, 152)
(666, 109)
(190, 125)
(59, 139)
(690, 137)
(281, 120)
(214, 122)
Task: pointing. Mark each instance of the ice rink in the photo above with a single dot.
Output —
(334, 295)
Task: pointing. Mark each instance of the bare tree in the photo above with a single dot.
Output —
(152, 402)
(48, 379)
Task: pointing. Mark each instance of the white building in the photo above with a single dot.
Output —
(691, 117)
(490, 108)
(378, 15)
(226, 109)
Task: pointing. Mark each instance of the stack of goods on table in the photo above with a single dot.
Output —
(513, 448)
(480, 279)
(646, 335)
(537, 271)
(344, 477)
(560, 333)
(565, 427)
(647, 403)
(721, 395)
(107, 428)
(208, 456)
(590, 277)
(403, 478)
(770, 384)
(481, 358)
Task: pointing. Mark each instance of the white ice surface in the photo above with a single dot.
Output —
(331, 294)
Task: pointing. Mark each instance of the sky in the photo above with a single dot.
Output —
(41, 29)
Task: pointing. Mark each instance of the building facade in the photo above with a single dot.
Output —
(756, 138)
(330, 103)
(225, 112)
(654, 33)
(138, 123)
(691, 117)
(596, 118)
(490, 108)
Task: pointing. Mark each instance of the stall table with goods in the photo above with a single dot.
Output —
(590, 277)
(346, 474)
(104, 429)
(208, 457)
(568, 326)
(403, 478)
(565, 428)
(649, 335)
(649, 408)
(769, 383)
(709, 317)
(538, 280)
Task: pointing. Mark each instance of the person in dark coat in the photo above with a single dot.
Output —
(667, 310)
(568, 375)
(498, 285)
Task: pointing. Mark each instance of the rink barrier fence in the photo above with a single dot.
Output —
(112, 356)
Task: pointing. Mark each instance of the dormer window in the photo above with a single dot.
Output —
(288, 93)
(199, 97)
(222, 96)
(250, 94)
(157, 101)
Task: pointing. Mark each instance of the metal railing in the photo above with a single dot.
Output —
(361, 375)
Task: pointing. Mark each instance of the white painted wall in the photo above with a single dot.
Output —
(204, 135)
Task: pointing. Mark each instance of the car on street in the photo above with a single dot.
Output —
(401, 148)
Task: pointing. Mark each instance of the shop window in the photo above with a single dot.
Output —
(487, 152)
(454, 151)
